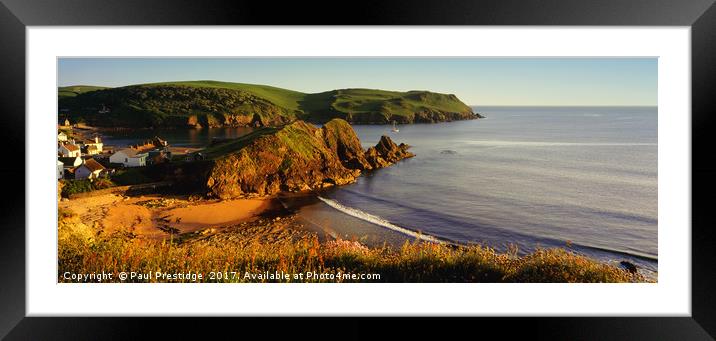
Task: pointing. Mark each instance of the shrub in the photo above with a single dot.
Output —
(559, 265)
(102, 183)
(63, 213)
(75, 186)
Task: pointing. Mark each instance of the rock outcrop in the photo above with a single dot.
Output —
(386, 153)
(295, 157)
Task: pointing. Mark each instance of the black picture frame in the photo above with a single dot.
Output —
(699, 15)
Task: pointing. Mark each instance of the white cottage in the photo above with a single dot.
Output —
(62, 137)
(129, 158)
(93, 146)
(92, 150)
(91, 169)
(69, 150)
(60, 170)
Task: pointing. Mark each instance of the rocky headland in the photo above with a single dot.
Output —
(292, 158)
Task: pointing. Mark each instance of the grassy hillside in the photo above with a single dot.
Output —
(292, 158)
(233, 145)
(213, 103)
(288, 99)
(380, 106)
(163, 105)
(72, 91)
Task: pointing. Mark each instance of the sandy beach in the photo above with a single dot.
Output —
(157, 217)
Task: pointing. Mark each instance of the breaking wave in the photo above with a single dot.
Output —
(354, 212)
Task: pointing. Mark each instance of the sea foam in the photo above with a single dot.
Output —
(354, 212)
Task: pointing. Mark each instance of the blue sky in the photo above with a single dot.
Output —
(476, 81)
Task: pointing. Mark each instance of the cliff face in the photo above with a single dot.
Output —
(296, 157)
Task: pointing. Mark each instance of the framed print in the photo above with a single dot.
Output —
(469, 163)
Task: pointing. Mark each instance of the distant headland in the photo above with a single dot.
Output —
(198, 104)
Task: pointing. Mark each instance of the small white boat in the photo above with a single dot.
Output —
(395, 128)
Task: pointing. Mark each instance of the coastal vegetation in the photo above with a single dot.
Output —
(82, 250)
(217, 104)
(69, 187)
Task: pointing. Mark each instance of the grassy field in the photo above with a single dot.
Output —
(72, 91)
(181, 99)
(288, 99)
(81, 250)
(222, 149)
(362, 101)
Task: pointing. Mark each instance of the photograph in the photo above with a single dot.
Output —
(357, 169)
(481, 165)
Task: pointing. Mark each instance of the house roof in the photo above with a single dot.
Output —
(61, 133)
(71, 147)
(90, 142)
(60, 163)
(93, 165)
(132, 152)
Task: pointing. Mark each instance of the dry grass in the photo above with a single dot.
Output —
(82, 252)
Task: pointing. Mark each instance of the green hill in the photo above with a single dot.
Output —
(72, 91)
(283, 97)
(213, 103)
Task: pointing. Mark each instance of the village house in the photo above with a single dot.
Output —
(129, 158)
(60, 170)
(93, 146)
(92, 150)
(70, 162)
(62, 137)
(91, 169)
(67, 122)
(69, 150)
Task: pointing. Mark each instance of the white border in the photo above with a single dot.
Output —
(670, 296)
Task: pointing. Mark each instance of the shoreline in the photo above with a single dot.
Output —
(192, 127)
(249, 222)
(273, 244)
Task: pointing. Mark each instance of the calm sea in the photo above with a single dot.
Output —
(527, 176)
(179, 137)
(579, 177)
